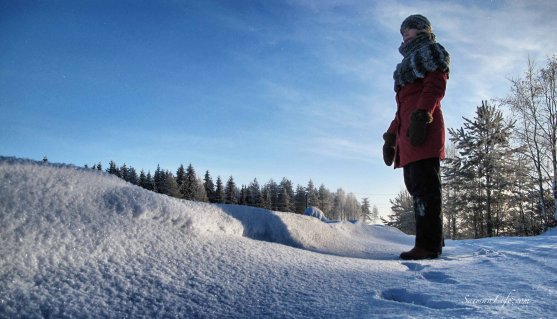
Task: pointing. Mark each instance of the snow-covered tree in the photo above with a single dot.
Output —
(325, 199)
(312, 196)
(285, 196)
(533, 102)
(369, 214)
(484, 161)
(254, 193)
(266, 199)
(402, 216)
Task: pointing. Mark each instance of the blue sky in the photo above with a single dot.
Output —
(253, 89)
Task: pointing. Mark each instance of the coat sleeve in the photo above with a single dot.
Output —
(393, 128)
(433, 91)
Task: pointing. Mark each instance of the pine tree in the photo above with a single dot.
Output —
(230, 191)
(158, 179)
(167, 185)
(325, 199)
(484, 160)
(312, 197)
(209, 187)
(254, 193)
(453, 201)
(132, 176)
(189, 185)
(374, 214)
(180, 176)
(339, 205)
(113, 169)
(366, 211)
(300, 200)
(201, 194)
(402, 216)
(266, 199)
(219, 192)
(143, 182)
(273, 192)
(123, 172)
(285, 196)
(243, 195)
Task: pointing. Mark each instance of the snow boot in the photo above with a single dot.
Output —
(418, 253)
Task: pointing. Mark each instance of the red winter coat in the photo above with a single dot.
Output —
(425, 94)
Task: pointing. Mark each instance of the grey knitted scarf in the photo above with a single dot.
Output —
(421, 55)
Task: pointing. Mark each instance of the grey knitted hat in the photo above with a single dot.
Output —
(416, 21)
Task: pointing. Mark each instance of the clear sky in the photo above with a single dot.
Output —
(300, 89)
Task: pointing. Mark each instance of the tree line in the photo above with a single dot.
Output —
(283, 196)
(500, 174)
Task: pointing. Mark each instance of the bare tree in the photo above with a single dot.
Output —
(533, 103)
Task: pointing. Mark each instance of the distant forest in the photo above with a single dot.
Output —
(186, 184)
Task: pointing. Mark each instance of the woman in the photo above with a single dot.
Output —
(415, 139)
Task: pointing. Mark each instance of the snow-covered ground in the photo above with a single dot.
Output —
(79, 243)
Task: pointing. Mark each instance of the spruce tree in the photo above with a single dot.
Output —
(402, 216)
(266, 200)
(132, 176)
(325, 199)
(484, 161)
(312, 197)
(254, 193)
(243, 195)
(219, 192)
(300, 200)
(158, 179)
(285, 196)
(189, 186)
(180, 176)
(201, 194)
(168, 185)
(209, 187)
(366, 211)
(113, 169)
(230, 191)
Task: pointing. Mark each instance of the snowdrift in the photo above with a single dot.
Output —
(61, 221)
(79, 243)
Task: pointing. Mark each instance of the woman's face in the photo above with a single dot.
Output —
(409, 34)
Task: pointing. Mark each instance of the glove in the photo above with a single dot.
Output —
(389, 148)
(418, 127)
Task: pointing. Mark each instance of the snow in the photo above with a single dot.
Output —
(316, 212)
(83, 244)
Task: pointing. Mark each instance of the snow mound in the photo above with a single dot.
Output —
(53, 205)
(316, 212)
(342, 238)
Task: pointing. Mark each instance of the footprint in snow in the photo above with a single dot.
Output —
(414, 266)
(439, 277)
(433, 276)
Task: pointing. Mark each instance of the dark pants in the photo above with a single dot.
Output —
(423, 182)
